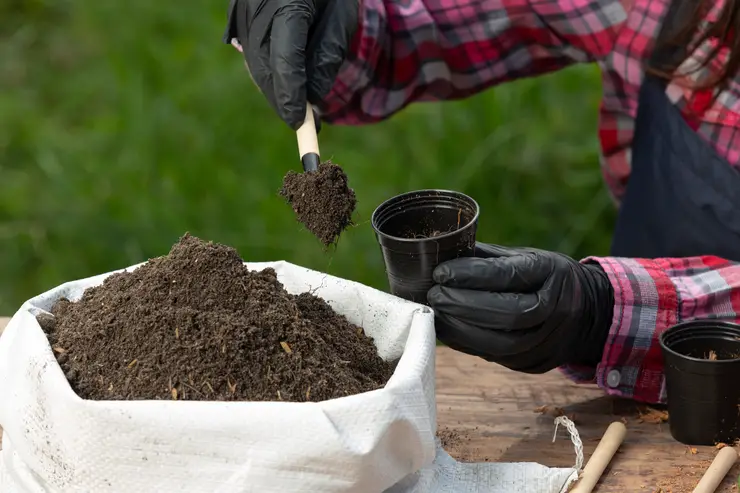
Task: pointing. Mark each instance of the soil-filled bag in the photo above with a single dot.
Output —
(377, 441)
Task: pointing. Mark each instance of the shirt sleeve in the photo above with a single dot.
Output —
(429, 50)
(651, 296)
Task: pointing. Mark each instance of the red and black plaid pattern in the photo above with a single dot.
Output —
(650, 296)
(430, 50)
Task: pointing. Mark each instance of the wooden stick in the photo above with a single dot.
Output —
(717, 471)
(605, 450)
(308, 141)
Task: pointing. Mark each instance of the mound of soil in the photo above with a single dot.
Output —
(198, 325)
(321, 200)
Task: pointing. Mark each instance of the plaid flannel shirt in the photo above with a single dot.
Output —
(649, 297)
(430, 50)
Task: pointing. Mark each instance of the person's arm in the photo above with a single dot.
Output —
(426, 50)
(649, 297)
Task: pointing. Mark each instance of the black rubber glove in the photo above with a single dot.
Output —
(529, 310)
(293, 48)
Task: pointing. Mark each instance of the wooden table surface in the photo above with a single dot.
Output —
(488, 413)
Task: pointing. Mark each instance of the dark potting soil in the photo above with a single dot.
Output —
(321, 200)
(429, 228)
(198, 325)
(429, 233)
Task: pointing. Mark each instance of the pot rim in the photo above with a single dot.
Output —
(421, 240)
(697, 323)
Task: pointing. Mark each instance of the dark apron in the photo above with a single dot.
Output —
(682, 198)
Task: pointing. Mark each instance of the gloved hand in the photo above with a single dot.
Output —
(529, 310)
(293, 48)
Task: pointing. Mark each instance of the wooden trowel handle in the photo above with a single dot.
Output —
(308, 142)
(717, 471)
(605, 450)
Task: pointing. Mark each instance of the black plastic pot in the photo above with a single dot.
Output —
(703, 392)
(419, 230)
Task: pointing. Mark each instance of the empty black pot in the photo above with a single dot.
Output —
(702, 370)
(419, 230)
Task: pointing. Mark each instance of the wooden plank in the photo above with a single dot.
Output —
(492, 412)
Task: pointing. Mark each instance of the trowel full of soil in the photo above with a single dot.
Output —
(320, 196)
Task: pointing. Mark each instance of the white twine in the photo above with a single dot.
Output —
(575, 437)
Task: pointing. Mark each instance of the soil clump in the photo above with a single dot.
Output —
(321, 200)
(197, 324)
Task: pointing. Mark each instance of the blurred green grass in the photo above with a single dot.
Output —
(123, 125)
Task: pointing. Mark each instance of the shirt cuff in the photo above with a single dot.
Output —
(344, 104)
(645, 304)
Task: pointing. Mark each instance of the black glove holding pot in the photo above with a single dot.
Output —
(293, 48)
(527, 309)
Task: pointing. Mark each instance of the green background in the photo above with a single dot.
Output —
(125, 124)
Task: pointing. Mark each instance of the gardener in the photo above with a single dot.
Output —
(670, 137)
